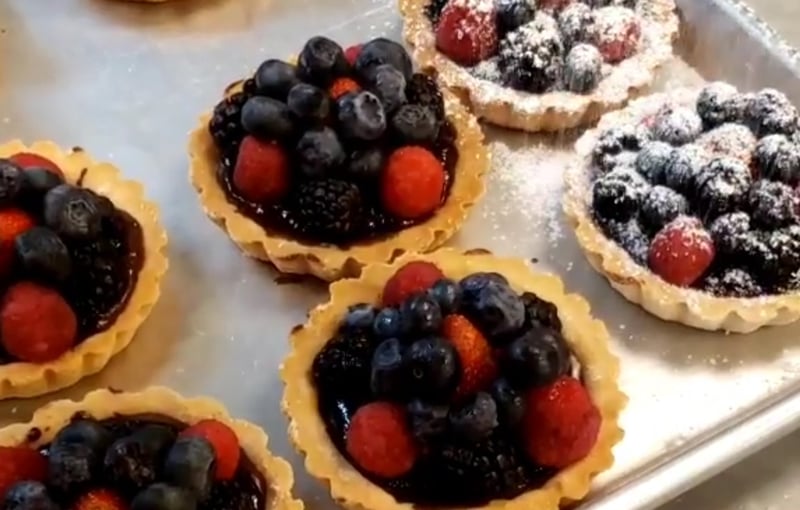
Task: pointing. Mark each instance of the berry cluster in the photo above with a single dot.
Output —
(707, 195)
(124, 464)
(559, 45)
(68, 260)
(344, 146)
(454, 393)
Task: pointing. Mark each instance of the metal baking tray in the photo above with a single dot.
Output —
(128, 81)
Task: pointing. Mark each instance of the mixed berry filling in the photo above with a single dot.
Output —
(540, 46)
(706, 194)
(131, 463)
(454, 393)
(343, 147)
(69, 260)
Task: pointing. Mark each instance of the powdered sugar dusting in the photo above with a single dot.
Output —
(730, 139)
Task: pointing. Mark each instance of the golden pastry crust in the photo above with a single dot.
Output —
(637, 283)
(551, 111)
(103, 404)
(587, 337)
(329, 262)
(20, 379)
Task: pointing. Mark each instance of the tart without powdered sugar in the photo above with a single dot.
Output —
(542, 65)
(687, 202)
(453, 380)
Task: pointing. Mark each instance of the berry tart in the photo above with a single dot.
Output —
(542, 65)
(453, 380)
(343, 158)
(81, 262)
(688, 203)
(152, 450)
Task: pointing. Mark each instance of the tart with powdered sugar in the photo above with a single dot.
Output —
(688, 203)
(542, 65)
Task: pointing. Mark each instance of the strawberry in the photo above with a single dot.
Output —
(561, 424)
(261, 174)
(618, 33)
(18, 464)
(343, 86)
(412, 183)
(100, 499)
(352, 53)
(467, 33)
(414, 277)
(13, 222)
(36, 323)
(379, 440)
(225, 443)
(27, 160)
(681, 251)
(478, 367)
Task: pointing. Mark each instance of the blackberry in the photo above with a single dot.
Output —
(539, 312)
(241, 493)
(676, 125)
(616, 144)
(660, 206)
(618, 194)
(328, 209)
(722, 187)
(785, 245)
(576, 23)
(423, 90)
(753, 253)
(732, 283)
(683, 168)
(434, 10)
(772, 204)
(728, 230)
(582, 69)
(777, 158)
(225, 125)
(630, 237)
(530, 58)
(512, 14)
(652, 161)
(718, 103)
(344, 365)
(770, 112)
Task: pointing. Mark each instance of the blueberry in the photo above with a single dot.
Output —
(275, 78)
(382, 51)
(321, 61)
(267, 118)
(87, 432)
(309, 102)
(36, 182)
(27, 496)
(361, 116)
(415, 124)
(359, 317)
(497, 310)
(388, 323)
(43, 255)
(389, 85)
(76, 212)
(432, 365)
(536, 358)
(510, 404)
(582, 68)
(365, 165)
(319, 152)
(447, 294)
(477, 419)
(388, 375)
(10, 182)
(652, 161)
(428, 421)
(512, 14)
(684, 166)
(72, 466)
(161, 496)
(472, 285)
(422, 314)
(660, 206)
(190, 464)
(728, 230)
(134, 462)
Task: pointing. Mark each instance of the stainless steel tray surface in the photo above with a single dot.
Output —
(127, 82)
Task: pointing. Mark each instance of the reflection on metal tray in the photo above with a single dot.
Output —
(128, 81)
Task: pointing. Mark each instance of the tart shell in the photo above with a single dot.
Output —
(329, 262)
(637, 283)
(552, 111)
(587, 337)
(21, 379)
(103, 404)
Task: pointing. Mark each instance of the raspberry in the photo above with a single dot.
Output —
(379, 440)
(618, 33)
(100, 499)
(13, 222)
(27, 160)
(343, 86)
(352, 53)
(19, 464)
(410, 279)
(413, 183)
(682, 251)
(466, 35)
(561, 423)
(225, 443)
(262, 171)
(478, 367)
(36, 323)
